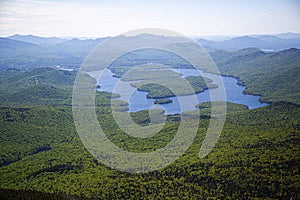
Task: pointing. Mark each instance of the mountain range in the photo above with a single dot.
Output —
(41, 41)
(264, 42)
(28, 51)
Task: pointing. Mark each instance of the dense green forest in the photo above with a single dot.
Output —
(180, 86)
(256, 157)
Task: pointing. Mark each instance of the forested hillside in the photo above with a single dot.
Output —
(275, 76)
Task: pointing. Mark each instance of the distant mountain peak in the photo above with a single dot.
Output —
(41, 41)
(245, 38)
(289, 35)
(291, 50)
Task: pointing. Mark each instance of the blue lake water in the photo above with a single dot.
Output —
(137, 99)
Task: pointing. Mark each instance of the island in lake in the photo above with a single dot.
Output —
(162, 101)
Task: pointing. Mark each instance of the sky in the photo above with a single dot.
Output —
(99, 18)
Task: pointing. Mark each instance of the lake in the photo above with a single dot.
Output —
(137, 99)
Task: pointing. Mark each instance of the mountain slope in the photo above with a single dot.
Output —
(26, 56)
(275, 76)
(13, 48)
(76, 47)
(41, 41)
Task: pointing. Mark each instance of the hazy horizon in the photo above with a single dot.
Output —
(206, 37)
(93, 18)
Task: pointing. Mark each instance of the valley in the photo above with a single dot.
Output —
(43, 157)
